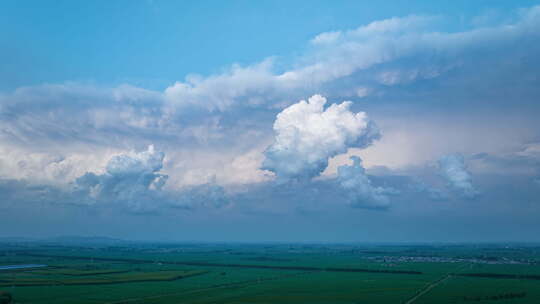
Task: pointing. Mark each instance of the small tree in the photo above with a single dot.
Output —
(5, 297)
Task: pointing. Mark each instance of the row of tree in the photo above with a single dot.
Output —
(504, 296)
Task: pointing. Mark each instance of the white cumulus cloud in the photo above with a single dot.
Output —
(307, 135)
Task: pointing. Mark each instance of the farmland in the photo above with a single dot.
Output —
(125, 272)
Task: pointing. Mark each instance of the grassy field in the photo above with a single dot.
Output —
(270, 273)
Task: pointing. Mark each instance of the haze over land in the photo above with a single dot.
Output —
(306, 123)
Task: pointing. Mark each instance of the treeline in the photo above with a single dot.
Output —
(504, 296)
(501, 276)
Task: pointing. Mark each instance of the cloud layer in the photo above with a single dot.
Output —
(245, 141)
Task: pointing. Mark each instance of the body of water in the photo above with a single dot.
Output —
(6, 267)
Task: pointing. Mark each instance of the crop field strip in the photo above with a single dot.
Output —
(239, 284)
(229, 265)
(75, 272)
(114, 279)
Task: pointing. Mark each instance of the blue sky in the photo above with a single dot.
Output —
(270, 121)
(154, 43)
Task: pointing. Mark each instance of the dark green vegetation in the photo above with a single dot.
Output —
(122, 272)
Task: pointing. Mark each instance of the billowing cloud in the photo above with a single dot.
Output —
(132, 179)
(452, 167)
(358, 188)
(307, 135)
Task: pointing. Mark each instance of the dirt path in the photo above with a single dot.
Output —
(435, 284)
(428, 288)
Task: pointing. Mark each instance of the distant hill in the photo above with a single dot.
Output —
(74, 239)
(68, 239)
(16, 239)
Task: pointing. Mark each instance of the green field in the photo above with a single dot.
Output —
(270, 273)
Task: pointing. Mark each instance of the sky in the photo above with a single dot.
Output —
(264, 121)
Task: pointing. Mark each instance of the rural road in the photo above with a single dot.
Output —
(428, 288)
(434, 284)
